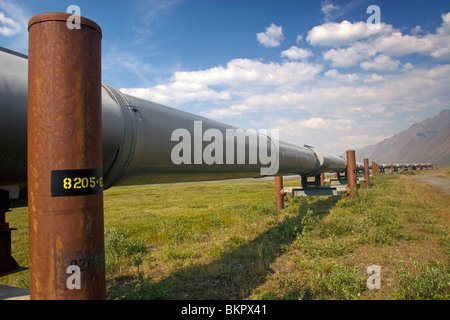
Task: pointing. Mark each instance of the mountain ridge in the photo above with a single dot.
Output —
(426, 141)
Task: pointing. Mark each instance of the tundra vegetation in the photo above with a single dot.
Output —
(227, 240)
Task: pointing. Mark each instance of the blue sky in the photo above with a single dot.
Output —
(313, 69)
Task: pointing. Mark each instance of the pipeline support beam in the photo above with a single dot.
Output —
(279, 194)
(366, 173)
(66, 231)
(351, 174)
(8, 264)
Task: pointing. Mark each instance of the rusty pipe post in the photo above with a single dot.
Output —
(279, 192)
(351, 174)
(373, 168)
(366, 173)
(65, 180)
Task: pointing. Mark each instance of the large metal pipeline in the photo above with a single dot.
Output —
(140, 139)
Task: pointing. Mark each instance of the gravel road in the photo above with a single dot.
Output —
(435, 182)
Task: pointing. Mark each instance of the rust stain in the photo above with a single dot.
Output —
(351, 174)
(61, 137)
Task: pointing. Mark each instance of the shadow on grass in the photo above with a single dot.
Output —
(232, 276)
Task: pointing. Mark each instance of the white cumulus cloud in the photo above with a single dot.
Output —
(343, 33)
(344, 78)
(350, 56)
(272, 37)
(381, 63)
(296, 53)
(441, 40)
(240, 77)
(8, 26)
(354, 43)
(13, 25)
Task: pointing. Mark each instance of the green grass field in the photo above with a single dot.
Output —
(227, 240)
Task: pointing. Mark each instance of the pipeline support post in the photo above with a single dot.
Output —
(8, 264)
(65, 176)
(318, 180)
(279, 192)
(351, 174)
(366, 173)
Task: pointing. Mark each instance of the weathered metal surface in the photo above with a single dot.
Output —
(65, 134)
(374, 169)
(278, 192)
(351, 173)
(366, 173)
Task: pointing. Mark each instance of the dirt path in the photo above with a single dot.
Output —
(435, 182)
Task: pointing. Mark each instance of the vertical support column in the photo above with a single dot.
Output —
(279, 192)
(322, 179)
(304, 182)
(65, 178)
(317, 180)
(351, 174)
(374, 168)
(8, 264)
(392, 168)
(366, 173)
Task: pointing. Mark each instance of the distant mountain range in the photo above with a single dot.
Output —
(427, 141)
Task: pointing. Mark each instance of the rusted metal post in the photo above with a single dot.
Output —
(279, 194)
(392, 169)
(322, 179)
(374, 168)
(366, 173)
(351, 174)
(65, 179)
